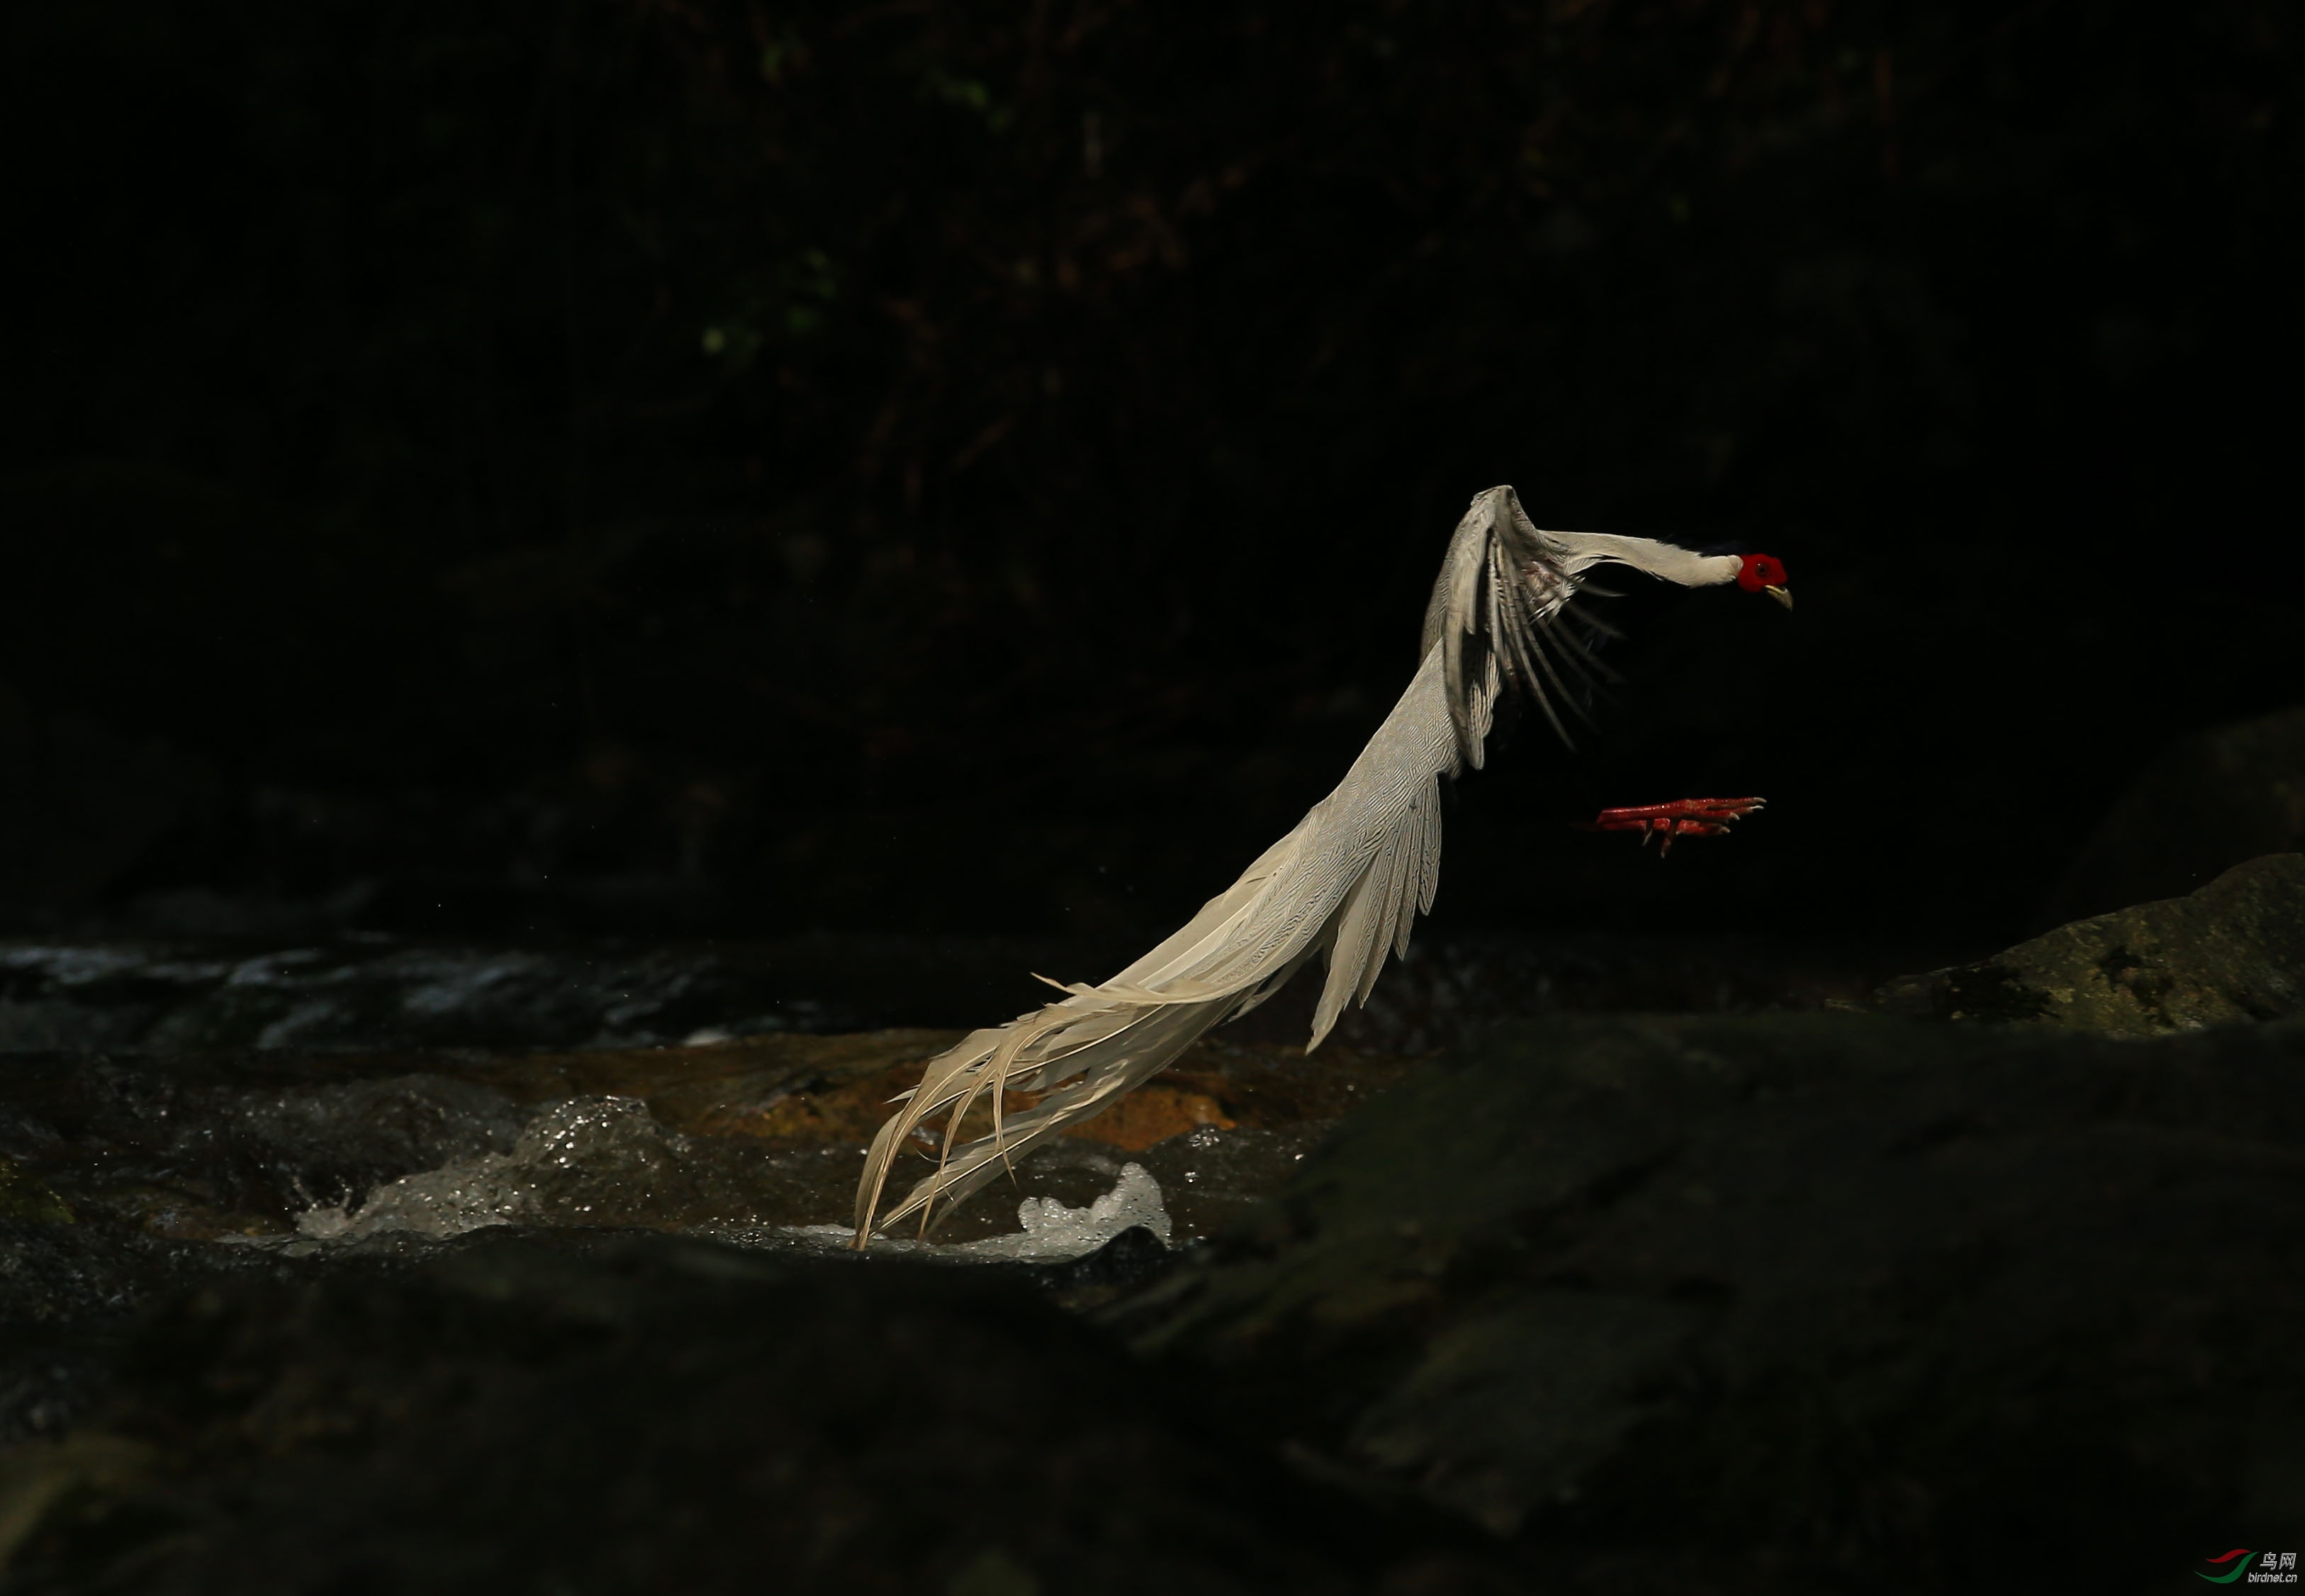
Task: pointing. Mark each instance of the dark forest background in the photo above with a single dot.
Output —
(580, 466)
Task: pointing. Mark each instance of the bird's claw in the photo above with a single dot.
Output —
(1684, 817)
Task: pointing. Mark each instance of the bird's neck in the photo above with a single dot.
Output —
(1668, 560)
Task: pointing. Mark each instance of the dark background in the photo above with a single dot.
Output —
(696, 468)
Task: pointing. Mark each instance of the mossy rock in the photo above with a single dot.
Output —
(2234, 951)
(24, 1196)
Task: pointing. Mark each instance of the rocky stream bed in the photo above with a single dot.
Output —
(1579, 1266)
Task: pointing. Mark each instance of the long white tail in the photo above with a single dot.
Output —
(1347, 882)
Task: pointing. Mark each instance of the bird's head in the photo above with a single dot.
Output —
(1764, 574)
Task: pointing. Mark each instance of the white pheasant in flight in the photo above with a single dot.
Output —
(1349, 881)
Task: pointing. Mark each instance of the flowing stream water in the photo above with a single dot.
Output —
(357, 1092)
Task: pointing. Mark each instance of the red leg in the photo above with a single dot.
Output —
(1684, 817)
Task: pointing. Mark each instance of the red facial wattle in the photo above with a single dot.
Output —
(1760, 572)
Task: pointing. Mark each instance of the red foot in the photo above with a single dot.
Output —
(1686, 817)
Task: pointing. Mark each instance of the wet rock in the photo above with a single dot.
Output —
(362, 992)
(2203, 806)
(1788, 1302)
(68, 1294)
(368, 992)
(1132, 1258)
(54, 1274)
(780, 1090)
(2233, 951)
(219, 1145)
(588, 1414)
(1215, 1178)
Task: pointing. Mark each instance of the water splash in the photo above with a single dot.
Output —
(588, 1160)
(591, 1161)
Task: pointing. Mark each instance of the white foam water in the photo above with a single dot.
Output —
(1049, 1232)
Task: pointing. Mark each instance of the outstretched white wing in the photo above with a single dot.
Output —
(1499, 612)
(1349, 881)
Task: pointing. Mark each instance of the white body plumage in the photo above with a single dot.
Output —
(1349, 880)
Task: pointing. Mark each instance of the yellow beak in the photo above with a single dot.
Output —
(1781, 595)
